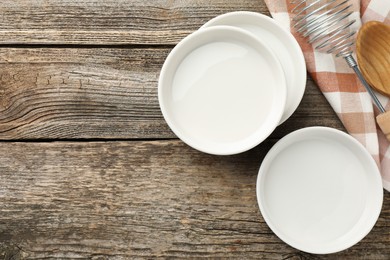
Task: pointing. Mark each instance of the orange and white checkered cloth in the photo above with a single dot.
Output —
(340, 85)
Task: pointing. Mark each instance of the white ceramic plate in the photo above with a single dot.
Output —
(221, 90)
(319, 190)
(281, 42)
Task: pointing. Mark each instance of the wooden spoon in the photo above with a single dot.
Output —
(373, 55)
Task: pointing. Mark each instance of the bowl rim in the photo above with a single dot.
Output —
(180, 47)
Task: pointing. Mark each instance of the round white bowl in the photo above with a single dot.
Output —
(222, 90)
(319, 190)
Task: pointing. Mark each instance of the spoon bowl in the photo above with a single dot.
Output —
(373, 55)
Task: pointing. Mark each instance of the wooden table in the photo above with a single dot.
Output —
(88, 166)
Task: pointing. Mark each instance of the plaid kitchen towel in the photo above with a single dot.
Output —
(340, 85)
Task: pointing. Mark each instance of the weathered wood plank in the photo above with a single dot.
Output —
(110, 22)
(65, 93)
(142, 199)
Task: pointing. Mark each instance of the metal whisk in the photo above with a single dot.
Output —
(326, 24)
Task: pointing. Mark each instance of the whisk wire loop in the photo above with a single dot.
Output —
(324, 19)
(303, 17)
(309, 6)
(327, 25)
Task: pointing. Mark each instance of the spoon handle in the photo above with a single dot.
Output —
(383, 121)
(352, 63)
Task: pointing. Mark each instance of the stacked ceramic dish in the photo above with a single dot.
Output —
(226, 87)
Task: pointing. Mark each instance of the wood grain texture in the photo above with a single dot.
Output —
(74, 93)
(80, 93)
(142, 199)
(110, 21)
(75, 72)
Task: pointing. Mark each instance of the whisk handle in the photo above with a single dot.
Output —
(382, 119)
(352, 63)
